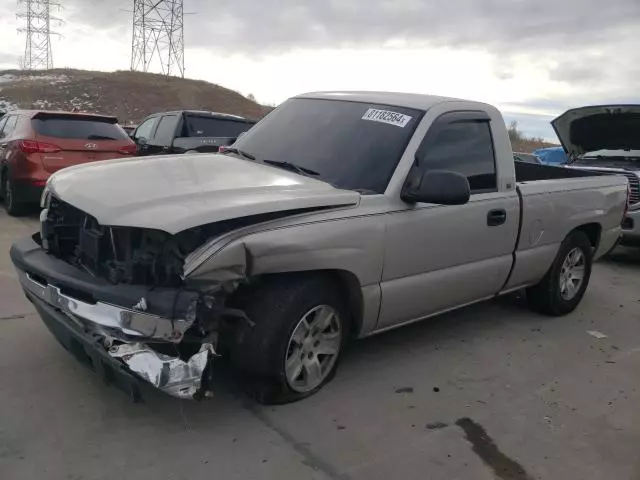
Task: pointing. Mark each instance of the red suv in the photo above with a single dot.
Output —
(35, 144)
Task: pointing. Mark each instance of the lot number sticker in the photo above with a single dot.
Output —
(385, 116)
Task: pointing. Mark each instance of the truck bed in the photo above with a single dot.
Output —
(530, 172)
(555, 200)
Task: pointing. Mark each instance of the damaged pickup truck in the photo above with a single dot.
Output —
(338, 216)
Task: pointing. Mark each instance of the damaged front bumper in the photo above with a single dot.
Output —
(171, 375)
(83, 313)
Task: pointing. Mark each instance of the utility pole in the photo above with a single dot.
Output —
(158, 36)
(37, 17)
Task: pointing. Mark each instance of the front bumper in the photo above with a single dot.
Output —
(87, 349)
(85, 314)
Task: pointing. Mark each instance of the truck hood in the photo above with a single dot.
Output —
(175, 193)
(603, 127)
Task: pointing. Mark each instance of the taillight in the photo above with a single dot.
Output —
(129, 149)
(31, 146)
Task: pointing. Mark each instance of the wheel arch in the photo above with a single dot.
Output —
(593, 231)
(347, 285)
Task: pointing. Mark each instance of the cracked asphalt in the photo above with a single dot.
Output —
(490, 392)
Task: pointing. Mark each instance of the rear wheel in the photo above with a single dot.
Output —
(562, 288)
(12, 207)
(293, 350)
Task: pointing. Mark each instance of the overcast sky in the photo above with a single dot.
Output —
(532, 58)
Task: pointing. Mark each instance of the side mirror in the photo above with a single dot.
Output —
(441, 187)
(141, 141)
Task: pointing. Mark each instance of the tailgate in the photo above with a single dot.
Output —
(72, 139)
(78, 152)
(202, 144)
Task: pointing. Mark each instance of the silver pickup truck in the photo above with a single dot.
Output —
(339, 215)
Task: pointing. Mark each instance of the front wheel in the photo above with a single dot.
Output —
(562, 288)
(293, 348)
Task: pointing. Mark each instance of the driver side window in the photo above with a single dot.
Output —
(461, 142)
(146, 128)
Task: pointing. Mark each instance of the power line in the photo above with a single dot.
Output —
(38, 19)
(158, 36)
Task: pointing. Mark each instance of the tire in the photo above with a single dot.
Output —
(277, 308)
(554, 296)
(12, 207)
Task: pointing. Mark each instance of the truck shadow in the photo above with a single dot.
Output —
(413, 343)
(623, 256)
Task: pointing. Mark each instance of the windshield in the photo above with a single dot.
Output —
(197, 126)
(78, 128)
(354, 146)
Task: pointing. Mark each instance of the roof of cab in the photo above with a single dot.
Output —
(206, 113)
(408, 100)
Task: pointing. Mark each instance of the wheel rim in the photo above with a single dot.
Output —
(572, 274)
(313, 348)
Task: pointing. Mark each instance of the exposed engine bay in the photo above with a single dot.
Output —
(123, 255)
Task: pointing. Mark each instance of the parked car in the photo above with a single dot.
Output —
(340, 215)
(552, 156)
(35, 144)
(606, 138)
(188, 131)
(526, 158)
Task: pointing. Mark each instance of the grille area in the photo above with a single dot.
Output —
(634, 185)
(129, 255)
(62, 230)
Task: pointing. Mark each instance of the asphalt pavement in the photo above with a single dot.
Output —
(489, 392)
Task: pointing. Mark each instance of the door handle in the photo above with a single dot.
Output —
(496, 217)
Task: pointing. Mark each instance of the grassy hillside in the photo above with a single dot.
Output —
(130, 96)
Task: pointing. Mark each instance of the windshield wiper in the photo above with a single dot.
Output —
(239, 152)
(292, 167)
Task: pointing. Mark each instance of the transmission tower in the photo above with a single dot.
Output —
(158, 36)
(37, 16)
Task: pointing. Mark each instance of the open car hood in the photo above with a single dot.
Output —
(603, 127)
(175, 193)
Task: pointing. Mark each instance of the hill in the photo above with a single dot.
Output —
(130, 96)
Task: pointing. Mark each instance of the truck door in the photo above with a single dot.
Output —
(143, 135)
(162, 142)
(439, 257)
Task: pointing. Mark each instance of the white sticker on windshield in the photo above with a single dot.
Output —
(385, 116)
